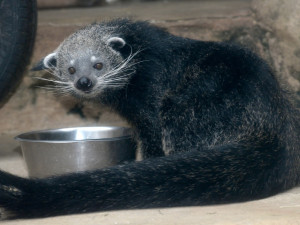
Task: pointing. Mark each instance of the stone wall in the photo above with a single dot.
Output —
(281, 21)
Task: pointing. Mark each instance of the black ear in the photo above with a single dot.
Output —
(116, 43)
(46, 63)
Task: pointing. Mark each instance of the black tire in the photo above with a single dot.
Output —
(18, 21)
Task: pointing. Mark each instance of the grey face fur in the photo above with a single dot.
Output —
(96, 67)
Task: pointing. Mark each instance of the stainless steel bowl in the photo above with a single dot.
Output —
(68, 150)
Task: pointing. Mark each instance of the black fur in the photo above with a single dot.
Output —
(229, 130)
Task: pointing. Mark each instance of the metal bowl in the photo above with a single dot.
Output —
(68, 150)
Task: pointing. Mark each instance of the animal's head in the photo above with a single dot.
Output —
(90, 62)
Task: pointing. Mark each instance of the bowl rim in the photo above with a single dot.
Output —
(21, 137)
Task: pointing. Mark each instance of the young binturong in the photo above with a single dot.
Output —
(211, 120)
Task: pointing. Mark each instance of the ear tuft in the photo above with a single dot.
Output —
(46, 63)
(50, 60)
(116, 43)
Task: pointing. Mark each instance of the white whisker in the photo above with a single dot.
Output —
(54, 81)
(117, 76)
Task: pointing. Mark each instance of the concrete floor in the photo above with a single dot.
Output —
(54, 25)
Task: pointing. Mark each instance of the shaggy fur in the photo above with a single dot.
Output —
(212, 121)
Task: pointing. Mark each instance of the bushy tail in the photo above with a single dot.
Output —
(219, 175)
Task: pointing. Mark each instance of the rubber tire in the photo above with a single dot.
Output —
(18, 22)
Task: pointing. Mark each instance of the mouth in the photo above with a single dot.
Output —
(84, 95)
(84, 92)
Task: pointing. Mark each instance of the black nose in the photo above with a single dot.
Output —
(84, 84)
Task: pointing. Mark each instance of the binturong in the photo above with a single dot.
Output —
(211, 120)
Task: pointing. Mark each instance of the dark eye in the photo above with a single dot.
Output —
(98, 66)
(72, 70)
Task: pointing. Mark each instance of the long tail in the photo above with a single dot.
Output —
(223, 174)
